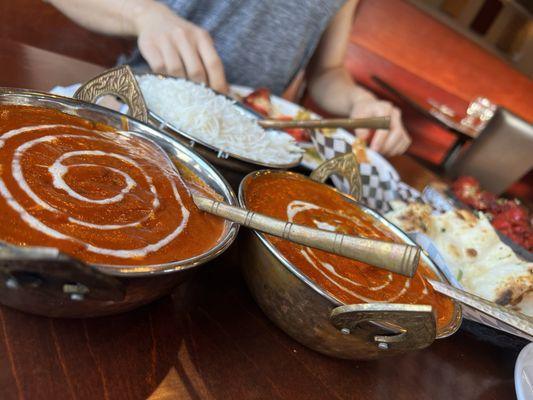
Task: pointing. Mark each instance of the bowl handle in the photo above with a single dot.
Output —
(48, 271)
(345, 166)
(409, 326)
(120, 82)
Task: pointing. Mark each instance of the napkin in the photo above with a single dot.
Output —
(68, 91)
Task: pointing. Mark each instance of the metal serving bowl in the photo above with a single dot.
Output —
(233, 166)
(45, 281)
(310, 315)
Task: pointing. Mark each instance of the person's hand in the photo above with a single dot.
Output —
(174, 46)
(387, 142)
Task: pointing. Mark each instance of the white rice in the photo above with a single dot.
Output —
(214, 119)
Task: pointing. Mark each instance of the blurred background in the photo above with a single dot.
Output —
(503, 27)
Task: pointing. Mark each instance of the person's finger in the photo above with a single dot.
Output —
(171, 56)
(396, 135)
(362, 134)
(399, 147)
(212, 63)
(363, 111)
(194, 69)
(390, 142)
(382, 109)
(379, 139)
(151, 54)
(405, 145)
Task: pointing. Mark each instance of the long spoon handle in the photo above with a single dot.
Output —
(394, 257)
(346, 123)
(511, 319)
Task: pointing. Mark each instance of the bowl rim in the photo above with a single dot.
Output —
(153, 133)
(455, 321)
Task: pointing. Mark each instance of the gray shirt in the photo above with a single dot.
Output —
(262, 43)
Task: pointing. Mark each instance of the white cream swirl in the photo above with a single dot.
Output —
(330, 273)
(87, 149)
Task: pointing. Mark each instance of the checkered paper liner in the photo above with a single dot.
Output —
(379, 188)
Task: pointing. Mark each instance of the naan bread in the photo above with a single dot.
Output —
(480, 261)
(415, 217)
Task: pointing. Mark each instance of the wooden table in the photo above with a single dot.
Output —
(209, 339)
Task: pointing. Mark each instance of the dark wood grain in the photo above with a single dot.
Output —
(209, 340)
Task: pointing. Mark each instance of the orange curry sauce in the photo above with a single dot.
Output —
(294, 198)
(102, 196)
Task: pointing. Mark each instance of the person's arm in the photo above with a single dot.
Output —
(104, 16)
(169, 43)
(332, 88)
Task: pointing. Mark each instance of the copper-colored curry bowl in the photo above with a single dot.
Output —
(313, 317)
(44, 281)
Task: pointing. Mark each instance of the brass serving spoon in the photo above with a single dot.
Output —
(395, 257)
(346, 123)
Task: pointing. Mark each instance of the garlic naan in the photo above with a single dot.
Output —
(480, 261)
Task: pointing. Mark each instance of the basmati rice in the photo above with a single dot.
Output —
(214, 119)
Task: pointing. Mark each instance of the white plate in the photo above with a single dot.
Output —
(311, 158)
(523, 374)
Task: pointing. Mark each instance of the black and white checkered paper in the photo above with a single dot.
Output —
(379, 187)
